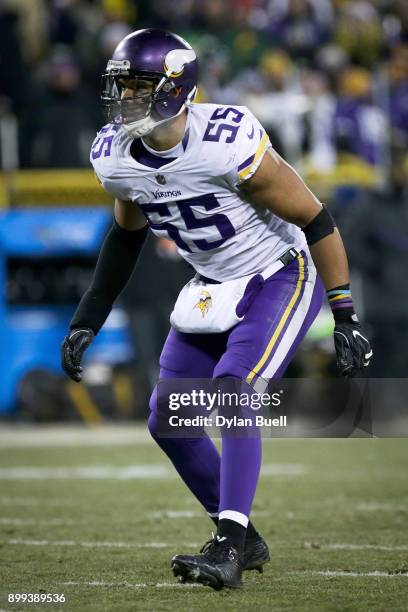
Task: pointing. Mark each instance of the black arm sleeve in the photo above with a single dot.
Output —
(116, 261)
(319, 227)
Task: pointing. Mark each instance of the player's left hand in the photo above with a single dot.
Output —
(352, 346)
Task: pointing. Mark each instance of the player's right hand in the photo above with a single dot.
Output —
(72, 350)
(352, 346)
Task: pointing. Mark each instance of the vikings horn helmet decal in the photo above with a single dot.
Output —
(176, 60)
(150, 79)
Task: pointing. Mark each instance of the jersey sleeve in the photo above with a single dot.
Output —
(250, 146)
(102, 157)
(113, 187)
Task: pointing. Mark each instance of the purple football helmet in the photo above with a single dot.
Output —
(159, 69)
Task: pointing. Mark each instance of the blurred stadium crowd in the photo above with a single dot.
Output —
(327, 78)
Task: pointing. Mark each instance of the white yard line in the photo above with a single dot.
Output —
(97, 544)
(53, 522)
(129, 585)
(381, 507)
(153, 514)
(32, 501)
(401, 547)
(103, 583)
(342, 574)
(93, 472)
(283, 469)
(189, 514)
(171, 585)
(127, 472)
(58, 436)
(175, 514)
(23, 542)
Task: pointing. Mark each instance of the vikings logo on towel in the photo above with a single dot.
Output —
(204, 303)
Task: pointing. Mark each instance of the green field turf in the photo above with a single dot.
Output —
(86, 520)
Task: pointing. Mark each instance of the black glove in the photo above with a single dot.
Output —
(352, 346)
(72, 350)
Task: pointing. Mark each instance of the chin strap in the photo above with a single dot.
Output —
(144, 126)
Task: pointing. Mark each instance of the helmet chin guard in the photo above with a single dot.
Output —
(160, 58)
(144, 126)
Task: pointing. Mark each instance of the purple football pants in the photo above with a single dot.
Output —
(259, 347)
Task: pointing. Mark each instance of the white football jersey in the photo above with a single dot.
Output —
(195, 198)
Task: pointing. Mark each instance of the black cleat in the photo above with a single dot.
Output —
(219, 565)
(256, 553)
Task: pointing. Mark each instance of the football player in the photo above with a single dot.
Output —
(207, 177)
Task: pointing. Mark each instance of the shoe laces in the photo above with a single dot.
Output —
(208, 546)
(216, 548)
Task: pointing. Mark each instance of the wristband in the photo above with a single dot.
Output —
(341, 302)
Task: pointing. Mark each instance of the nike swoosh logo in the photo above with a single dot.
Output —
(251, 135)
(357, 333)
(367, 355)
